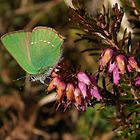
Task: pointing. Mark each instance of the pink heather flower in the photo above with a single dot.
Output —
(112, 66)
(95, 93)
(120, 59)
(137, 81)
(79, 100)
(105, 57)
(70, 92)
(53, 84)
(61, 85)
(83, 88)
(78, 96)
(61, 90)
(133, 63)
(116, 76)
(129, 68)
(83, 77)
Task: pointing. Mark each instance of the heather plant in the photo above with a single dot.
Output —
(117, 81)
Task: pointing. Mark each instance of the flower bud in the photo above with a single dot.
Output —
(54, 72)
(70, 92)
(83, 77)
(133, 63)
(120, 59)
(105, 57)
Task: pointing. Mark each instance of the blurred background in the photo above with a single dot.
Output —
(27, 111)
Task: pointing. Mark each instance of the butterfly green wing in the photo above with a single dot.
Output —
(45, 47)
(17, 43)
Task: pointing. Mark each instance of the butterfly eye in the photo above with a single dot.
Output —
(32, 78)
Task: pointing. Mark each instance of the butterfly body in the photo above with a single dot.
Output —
(42, 75)
(37, 52)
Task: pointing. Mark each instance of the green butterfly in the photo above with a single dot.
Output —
(37, 52)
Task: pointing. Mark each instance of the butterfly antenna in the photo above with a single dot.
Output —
(19, 78)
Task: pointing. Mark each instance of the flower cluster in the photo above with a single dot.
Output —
(117, 64)
(73, 87)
